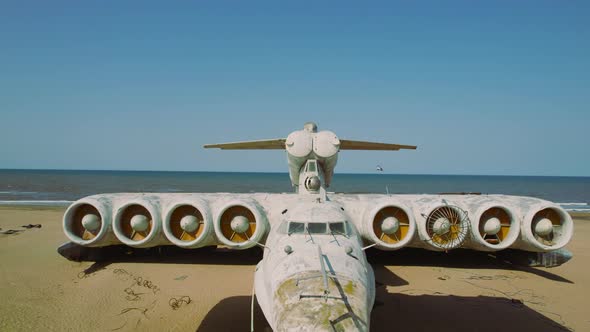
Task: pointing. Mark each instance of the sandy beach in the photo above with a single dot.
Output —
(204, 290)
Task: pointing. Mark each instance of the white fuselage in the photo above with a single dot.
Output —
(314, 274)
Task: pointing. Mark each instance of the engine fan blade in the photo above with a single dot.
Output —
(137, 235)
(504, 231)
(403, 225)
(544, 240)
(226, 224)
(500, 215)
(176, 223)
(556, 224)
(447, 227)
(184, 236)
(87, 235)
(137, 232)
(78, 226)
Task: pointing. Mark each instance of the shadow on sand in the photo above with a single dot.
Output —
(459, 258)
(468, 259)
(393, 310)
(103, 256)
(446, 312)
(405, 312)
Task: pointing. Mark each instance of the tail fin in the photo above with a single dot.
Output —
(269, 144)
(279, 144)
(361, 145)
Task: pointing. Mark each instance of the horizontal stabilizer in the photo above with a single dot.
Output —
(360, 145)
(269, 144)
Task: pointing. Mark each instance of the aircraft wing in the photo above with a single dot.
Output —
(479, 222)
(389, 222)
(268, 144)
(362, 145)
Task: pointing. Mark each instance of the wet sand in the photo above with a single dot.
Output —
(416, 290)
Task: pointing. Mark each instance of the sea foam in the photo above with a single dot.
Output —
(37, 203)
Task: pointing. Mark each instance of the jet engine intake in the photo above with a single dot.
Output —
(493, 228)
(240, 225)
(546, 228)
(188, 224)
(446, 227)
(391, 226)
(138, 224)
(87, 222)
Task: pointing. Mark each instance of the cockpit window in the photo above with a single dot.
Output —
(337, 227)
(299, 227)
(296, 227)
(316, 228)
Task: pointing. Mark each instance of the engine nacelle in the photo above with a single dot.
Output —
(137, 223)
(443, 227)
(325, 147)
(545, 227)
(389, 224)
(87, 222)
(240, 224)
(306, 144)
(188, 224)
(299, 146)
(494, 227)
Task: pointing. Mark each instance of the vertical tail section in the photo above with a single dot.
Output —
(307, 144)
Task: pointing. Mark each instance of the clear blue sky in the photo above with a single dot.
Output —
(497, 87)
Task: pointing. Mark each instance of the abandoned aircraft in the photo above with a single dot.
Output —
(314, 274)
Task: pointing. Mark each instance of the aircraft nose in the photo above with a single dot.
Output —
(303, 303)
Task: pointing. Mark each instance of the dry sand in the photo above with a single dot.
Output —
(416, 291)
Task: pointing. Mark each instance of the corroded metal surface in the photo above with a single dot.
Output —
(301, 303)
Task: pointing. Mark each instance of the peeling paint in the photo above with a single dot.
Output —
(302, 305)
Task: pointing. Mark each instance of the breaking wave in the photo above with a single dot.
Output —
(575, 206)
(37, 203)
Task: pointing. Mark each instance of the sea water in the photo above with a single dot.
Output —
(60, 187)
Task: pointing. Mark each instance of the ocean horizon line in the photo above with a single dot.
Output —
(285, 172)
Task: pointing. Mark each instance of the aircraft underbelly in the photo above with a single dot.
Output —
(301, 304)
